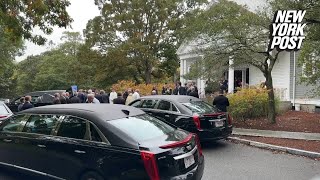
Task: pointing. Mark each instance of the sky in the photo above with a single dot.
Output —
(83, 10)
(80, 10)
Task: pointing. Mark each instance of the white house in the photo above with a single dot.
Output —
(286, 75)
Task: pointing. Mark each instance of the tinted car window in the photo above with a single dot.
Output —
(3, 109)
(15, 124)
(95, 136)
(174, 108)
(136, 103)
(73, 127)
(41, 124)
(150, 103)
(142, 127)
(164, 105)
(200, 107)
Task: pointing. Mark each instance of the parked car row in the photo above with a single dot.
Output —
(158, 137)
(98, 141)
(188, 113)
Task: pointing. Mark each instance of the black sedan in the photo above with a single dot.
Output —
(189, 113)
(98, 141)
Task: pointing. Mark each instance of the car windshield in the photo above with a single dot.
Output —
(200, 107)
(142, 127)
(3, 110)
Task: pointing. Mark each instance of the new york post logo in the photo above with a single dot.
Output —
(286, 31)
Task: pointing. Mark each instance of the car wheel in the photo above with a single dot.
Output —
(91, 175)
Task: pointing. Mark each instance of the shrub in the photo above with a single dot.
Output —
(123, 85)
(249, 103)
(212, 87)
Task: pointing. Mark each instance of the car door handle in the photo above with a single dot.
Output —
(41, 146)
(7, 140)
(167, 115)
(79, 152)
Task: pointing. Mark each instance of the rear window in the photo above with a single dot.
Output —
(200, 107)
(3, 110)
(142, 127)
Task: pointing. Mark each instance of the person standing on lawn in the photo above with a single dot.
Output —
(221, 102)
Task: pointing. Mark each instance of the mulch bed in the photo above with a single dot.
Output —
(313, 146)
(292, 121)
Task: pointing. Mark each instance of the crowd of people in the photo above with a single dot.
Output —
(97, 97)
(189, 89)
(100, 96)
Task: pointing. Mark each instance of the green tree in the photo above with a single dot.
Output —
(26, 72)
(144, 31)
(57, 68)
(228, 30)
(309, 56)
(19, 17)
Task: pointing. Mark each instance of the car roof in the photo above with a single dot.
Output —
(39, 93)
(174, 98)
(102, 111)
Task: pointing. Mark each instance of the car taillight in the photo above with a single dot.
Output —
(150, 164)
(199, 145)
(3, 116)
(229, 120)
(178, 144)
(196, 120)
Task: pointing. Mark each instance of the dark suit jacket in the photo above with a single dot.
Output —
(105, 98)
(119, 100)
(221, 102)
(194, 94)
(74, 100)
(26, 105)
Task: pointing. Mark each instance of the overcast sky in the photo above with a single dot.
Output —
(80, 10)
(83, 10)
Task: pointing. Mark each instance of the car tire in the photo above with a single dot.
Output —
(91, 175)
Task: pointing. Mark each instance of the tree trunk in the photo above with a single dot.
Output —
(148, 76)
(271, 101)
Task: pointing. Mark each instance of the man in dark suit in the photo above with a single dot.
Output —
(179, 90)
(75, 99)
(104, 97)
(221, 102)
(119, 99)
(193, 93)
(27, 104)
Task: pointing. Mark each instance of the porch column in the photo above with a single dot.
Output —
(181, 70)
(231, 76)
(185, 70)
(244, 79)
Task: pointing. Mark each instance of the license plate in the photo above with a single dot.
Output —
(188, 161)
(219, 123)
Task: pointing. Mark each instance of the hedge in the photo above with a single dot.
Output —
(250, 103)
(145, 89)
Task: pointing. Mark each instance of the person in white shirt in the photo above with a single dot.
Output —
(113, 95)
(136, 94)
(129, 98)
